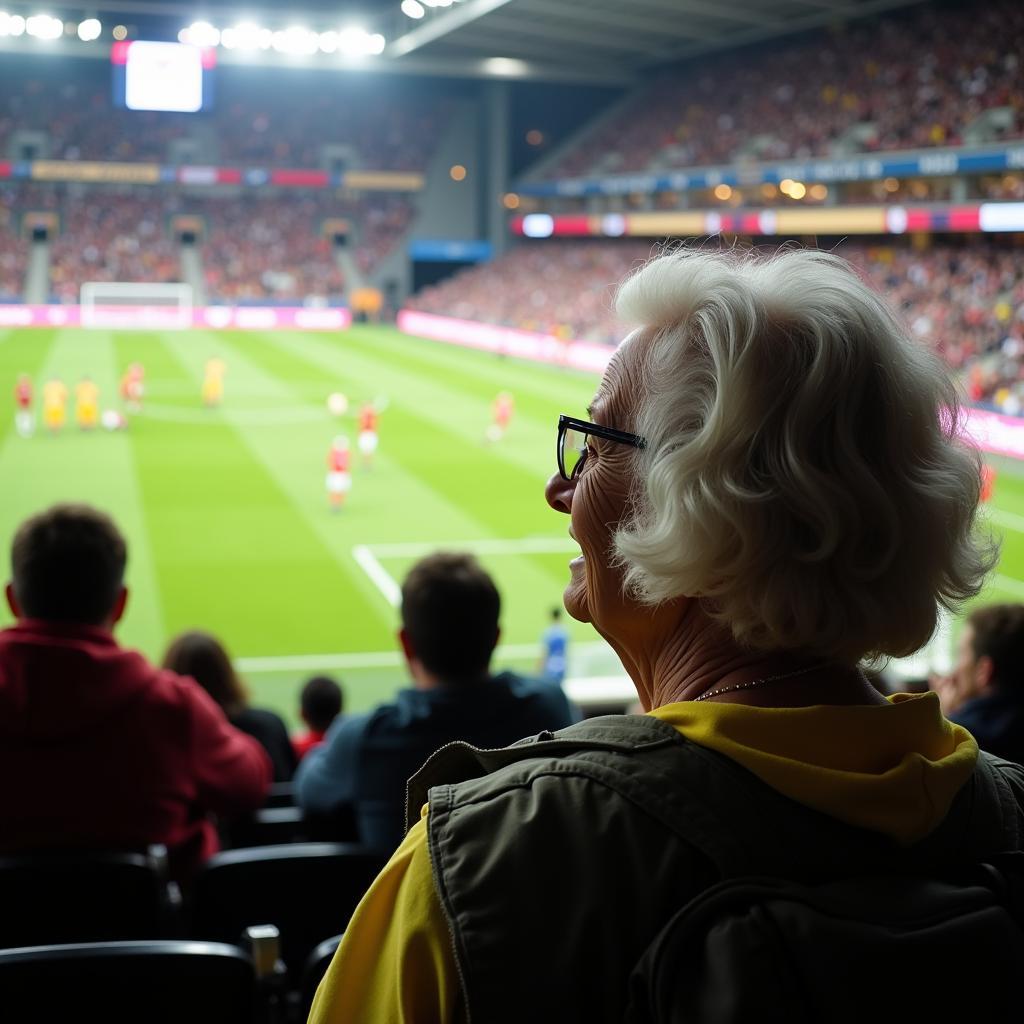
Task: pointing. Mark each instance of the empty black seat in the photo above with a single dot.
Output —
(197, 982)
(269, 826)
(281, 794)
(312, 974)
(308, 890)
(82, 896)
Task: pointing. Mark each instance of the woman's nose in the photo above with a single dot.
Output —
(558, 493)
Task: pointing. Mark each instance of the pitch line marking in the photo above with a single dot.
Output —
(367, 556)
(480, 546)
(382, 659)
(379, 576)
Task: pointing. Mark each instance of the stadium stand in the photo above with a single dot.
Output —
(563, 288)
(70, 110)
(108, 237)
(907, 82)
(965, 301)
(257, 246)
(13, 249)
(267, 248)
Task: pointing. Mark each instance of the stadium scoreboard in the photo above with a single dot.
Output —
(174, 77)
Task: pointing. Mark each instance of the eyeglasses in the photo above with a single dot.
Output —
(572, 443)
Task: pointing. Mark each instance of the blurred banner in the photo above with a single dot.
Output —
(245, 318)
(787, 221)
(97, 171)
(868, 167)
(91, 170)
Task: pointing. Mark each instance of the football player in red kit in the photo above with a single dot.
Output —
(502, 409)
(132, 386)
(368, 418)
(339, 478)
(24, 421)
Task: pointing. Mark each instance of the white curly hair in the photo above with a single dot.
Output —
(804, 475)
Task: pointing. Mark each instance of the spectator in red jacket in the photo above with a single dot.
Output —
(320, 704)
(108, 750)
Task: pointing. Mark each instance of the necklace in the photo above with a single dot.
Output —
(758, 682)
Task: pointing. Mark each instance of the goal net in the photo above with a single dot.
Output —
(111, 304)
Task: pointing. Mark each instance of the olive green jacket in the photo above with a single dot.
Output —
(559, 859)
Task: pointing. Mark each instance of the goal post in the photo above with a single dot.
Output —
(135, 305)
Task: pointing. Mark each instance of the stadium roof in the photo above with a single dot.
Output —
(613, 38)
(598, 41)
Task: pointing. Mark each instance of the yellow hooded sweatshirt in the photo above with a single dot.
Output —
(890, 768)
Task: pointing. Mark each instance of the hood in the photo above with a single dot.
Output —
(891, 768)
(58, 680)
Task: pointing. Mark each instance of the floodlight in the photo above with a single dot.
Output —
(355, 41)
(413, 9)
(11, 24)
(245, 36)
(505, 66)
(44, 26)
(202, 33)
(89, 30)
(295, 40)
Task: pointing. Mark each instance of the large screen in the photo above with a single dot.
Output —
(162, 76)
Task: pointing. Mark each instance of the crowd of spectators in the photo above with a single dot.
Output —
(918, 79)
(216, 752)
(965, 301)
(559, 288)
(104, 239)
(254, 247)
(13, 254)
(268, 249)
(252, 120)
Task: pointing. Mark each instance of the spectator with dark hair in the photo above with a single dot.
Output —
(108, 751)
(450, 610)
(985, 692)
(203, 658)
(320, 703)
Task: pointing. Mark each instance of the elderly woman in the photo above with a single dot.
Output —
(769, 490)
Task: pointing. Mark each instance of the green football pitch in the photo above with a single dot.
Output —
(226, 513)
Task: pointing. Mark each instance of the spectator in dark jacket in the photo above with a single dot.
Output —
(107, 750)
(450, 610)
(203, 658)
(985, 692)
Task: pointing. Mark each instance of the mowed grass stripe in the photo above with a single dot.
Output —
(351, 614)
(233, 557)
(446, 400)
(536, 386)
(435, 432)
(503, 501)
(386, 502)
(96, 467)
(459, 471)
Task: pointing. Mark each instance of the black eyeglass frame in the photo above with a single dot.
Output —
(567, 423)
